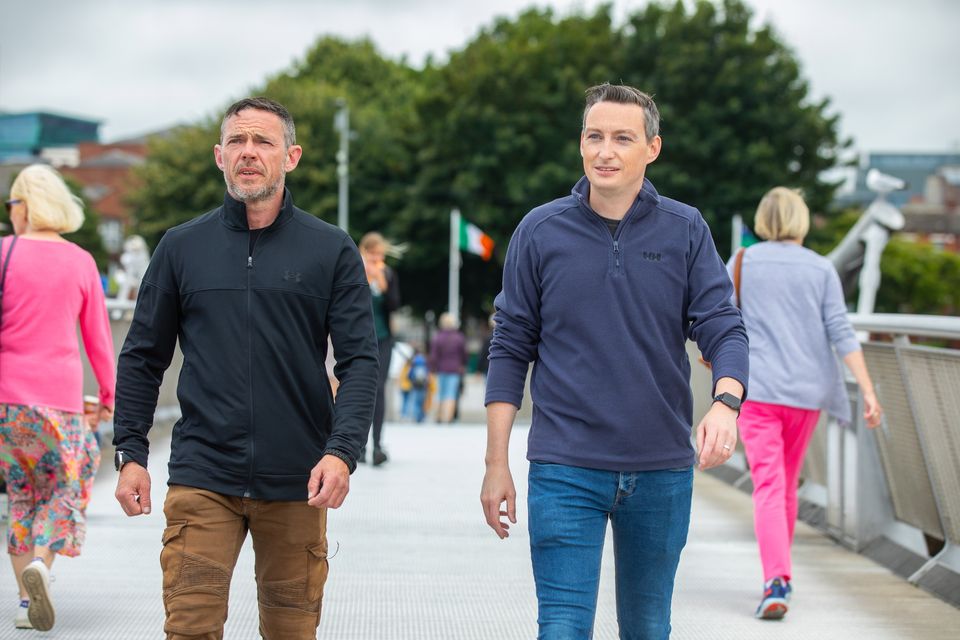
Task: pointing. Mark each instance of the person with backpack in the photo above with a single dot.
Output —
(418, 376)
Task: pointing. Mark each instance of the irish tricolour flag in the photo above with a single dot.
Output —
(474, 240)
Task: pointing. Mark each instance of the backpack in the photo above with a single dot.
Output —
(419, 373)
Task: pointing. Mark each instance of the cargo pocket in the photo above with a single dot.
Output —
(318, 569)
(171, 557)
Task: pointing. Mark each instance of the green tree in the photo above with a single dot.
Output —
(501, 123)
(494, 130)
(180, 179)
(737, 116)
(918, 278)
(914, 277)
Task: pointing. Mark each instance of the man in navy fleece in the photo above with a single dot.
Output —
(601, 290)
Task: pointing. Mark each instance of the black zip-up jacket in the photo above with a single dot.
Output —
(257, 410)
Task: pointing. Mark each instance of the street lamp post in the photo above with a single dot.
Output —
(341, 124)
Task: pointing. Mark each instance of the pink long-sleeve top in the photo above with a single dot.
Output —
(50, 287)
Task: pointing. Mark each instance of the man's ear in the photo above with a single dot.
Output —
(654, 146)
(218, 156)
(293, 156)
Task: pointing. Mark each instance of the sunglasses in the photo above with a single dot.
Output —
(9, 203)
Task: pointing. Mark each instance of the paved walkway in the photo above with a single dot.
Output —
(417, 562)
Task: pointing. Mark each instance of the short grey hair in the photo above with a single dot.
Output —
(268, 105)
(624, 94)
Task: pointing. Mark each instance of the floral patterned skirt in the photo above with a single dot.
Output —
(49, 459)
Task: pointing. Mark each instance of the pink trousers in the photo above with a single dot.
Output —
(775, 438)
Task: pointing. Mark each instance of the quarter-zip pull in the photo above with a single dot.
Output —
(249, 262)
(616, 252)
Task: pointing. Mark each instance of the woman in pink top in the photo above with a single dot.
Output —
(47, 452)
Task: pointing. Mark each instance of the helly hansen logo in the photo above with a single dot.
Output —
(652, 256)
(292, 276)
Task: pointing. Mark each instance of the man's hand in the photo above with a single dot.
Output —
(497, 489)
(133, 489)
(329, 483)
(716, 436)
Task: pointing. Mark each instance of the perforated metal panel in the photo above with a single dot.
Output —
(932, 377)
(815, 464)
(900, 448)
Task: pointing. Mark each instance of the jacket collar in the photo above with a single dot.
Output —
(233, 214)
(647, 199)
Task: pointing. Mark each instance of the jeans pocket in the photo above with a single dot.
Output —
(171, 557)
(317, 568)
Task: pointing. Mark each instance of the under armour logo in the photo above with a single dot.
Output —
(292, 276)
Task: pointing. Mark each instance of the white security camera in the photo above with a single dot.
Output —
(883, 183)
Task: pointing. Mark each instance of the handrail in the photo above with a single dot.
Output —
(947, 327)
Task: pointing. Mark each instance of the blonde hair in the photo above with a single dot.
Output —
(373, 240)
(782, 215)
(448, 321)
(50, 205)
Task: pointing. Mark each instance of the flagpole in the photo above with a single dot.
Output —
(453, 285)
(736, 233)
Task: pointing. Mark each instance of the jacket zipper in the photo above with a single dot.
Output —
(603, 225)
(246, 493)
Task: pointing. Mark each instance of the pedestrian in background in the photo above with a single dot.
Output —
(448, 362)
(48, 454)
(793, 307)
(601, 290)
(418, 380)
(385, 291)
(253, 290)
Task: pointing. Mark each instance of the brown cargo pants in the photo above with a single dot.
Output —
(204, 534)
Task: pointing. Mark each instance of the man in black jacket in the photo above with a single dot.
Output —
(252, 290)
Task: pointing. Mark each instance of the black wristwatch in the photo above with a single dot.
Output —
(121, 458)
(729, 400)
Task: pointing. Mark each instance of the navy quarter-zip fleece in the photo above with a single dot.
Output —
(605, 321)
(257, 409)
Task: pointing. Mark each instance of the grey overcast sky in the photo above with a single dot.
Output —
(891, 68)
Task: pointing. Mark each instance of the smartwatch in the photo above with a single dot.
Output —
(729, 400)
(121, 458)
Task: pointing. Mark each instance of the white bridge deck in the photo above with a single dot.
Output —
(416, 562)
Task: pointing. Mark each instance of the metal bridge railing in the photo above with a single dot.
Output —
(892, 493)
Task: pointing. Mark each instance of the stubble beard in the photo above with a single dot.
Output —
(259, 194)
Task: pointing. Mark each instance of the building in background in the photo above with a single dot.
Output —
(72, 145)
(106, 174)
(934, 217)
(914, 168)
(930, 202)
(50, 137)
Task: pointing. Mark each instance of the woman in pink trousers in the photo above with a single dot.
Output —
(796, 319)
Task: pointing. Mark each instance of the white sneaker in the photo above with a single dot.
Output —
(36, 580)
(22, 621)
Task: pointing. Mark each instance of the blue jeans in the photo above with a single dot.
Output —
(568, 512)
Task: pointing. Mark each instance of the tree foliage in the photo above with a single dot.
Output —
(918, 278)
(914, 277)
(737, 117)
(494, 130)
